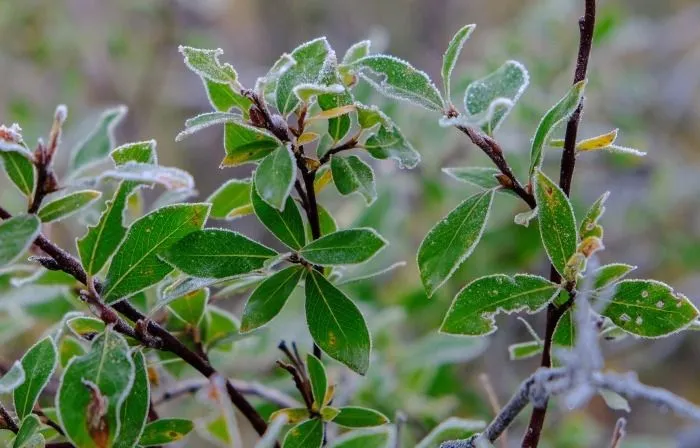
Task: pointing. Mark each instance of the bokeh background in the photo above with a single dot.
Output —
(644, 79)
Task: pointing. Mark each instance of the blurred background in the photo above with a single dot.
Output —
(644, 79)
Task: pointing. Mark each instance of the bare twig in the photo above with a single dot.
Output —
(493, 401)
(8, 420)
(619, 432)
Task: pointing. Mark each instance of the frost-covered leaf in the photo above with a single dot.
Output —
(482, 177)
(286, 225)
(451, 429)
(269, 298)
(206, 64)
(452, 240)
(231, 200)
(356, 51)
(307, 92)
(308, 434)
(565, 331)
(267, 85)
(389, 143)
(524, 350)
(69, 348)
(558, 113)
(610, 273)
(338, 126)
(603, 142)
(589, 224)
(164, 431)
(336, 324)
(136, 266)
(170, 178)
(92, 392)
(12, 379)
(16, 236)
(524, 218)
(449, 59)
(473, 309)
(275, 176)
(556, 221)
(350, 246)
(489, 100)
(245, 144)
(218, 327)
(649, 308)
(203, 121)
(359, 417)
(216, 253)
(134, 410)
(85, 327)
(19, 169)
(223, 97)
(139, 152)
(399, 79)
(351, 174)
(190, 307)
(38, 364)
(363, 438)
(68, 205)
(311, 59)
(100, 142)
(28, 435)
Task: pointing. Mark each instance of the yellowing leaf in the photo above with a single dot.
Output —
(333, 113)
(599, 142)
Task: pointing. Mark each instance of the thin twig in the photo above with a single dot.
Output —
(8, 420)
(493, 401)
(619, 432)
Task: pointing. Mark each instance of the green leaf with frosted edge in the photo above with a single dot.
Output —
(389, 143)
(489, 100)
(524, 350)
(482, 177)
(100, 142)
(190, 307)
(104, 373)
(336, 324)
(556, 221)
(245, 144)
(474, 307)
(20, 170)
(216, 253)
(69, 348)
(352, 246)
(398, 79)
(28, 430)
(217, 327)
(275, 176)
(308, 434)
(558, 113)
(649, 308)
(85, 327)
(68, 205)
(589, 223)
(326, 222)
(139, 152)
(38, 364)
(610, 273)
(356, 51)
(206, 64)
(16, 236)
(351, 174)
(311, 59)
(286, 225)
(565, 331)
(292, 415)
(363, 438)
(359, 417)
(170, 178)
(231, 200)
(268, 299)
(165, 430)
(449, 59)
(267, 85)
(318, 379)
(223, 97)
(205, 120)
(12, 379)
(452, 240)
(451, 429)
(307, 92)
(338, 127)
(136, 265)
(134, 410)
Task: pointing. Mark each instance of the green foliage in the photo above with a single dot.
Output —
(449, 59)
(19, 169)
(97, 146)
(165, 430)
(67, 205)
(269, 298)
(206, 64)
(310, 60)
(245, 144)
(231, 200)
(275, 176)
(286, 225)
(358, 417)
(308, 434)
(351, 246)
(363, 438)
(134, 410)
(38, 364)
(318, 379)
(13, 378)
(352, 175)
(17, 235)
(28, 436)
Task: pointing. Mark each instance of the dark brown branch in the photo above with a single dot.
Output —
(8, 420)
(350, 144)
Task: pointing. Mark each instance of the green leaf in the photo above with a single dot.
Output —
(267, 85)
(610, 273)
(38, 364)
(589, 223)
(100, 142)
(12, 379)
(614, 401)
(223, 97)
(85, 327)
(27, 431)
(336, 324)
(398, 79)
(489, 100)
(308, 434)
(136, 265)
(473, 309)
(269, 298)
(165, 430)
(311, 59)
(216, 253)
(20, 170)
(565, 331)
(286, 225)
(452, 240)
(358, 417)
(352, 246)
(68, 349)
(275, 176)
(92, 391)
(68, 205)
(560, 112)
(389, 143)
(363, 438)
(190, 307)
(16, 236)
(524, 350)
(139, 152)
(134, 410)
(169, 177)
(203, 121)
(318, 378)
(218, 326)
(449, 59)
(451, 429)
(307, 92)
(351, 174)
(245, 144)
(556, 221)
(231, 200)
(338, 127)
(292, 415)
(206, 64)
(482, 177)
(356, 51)
(649, 308)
